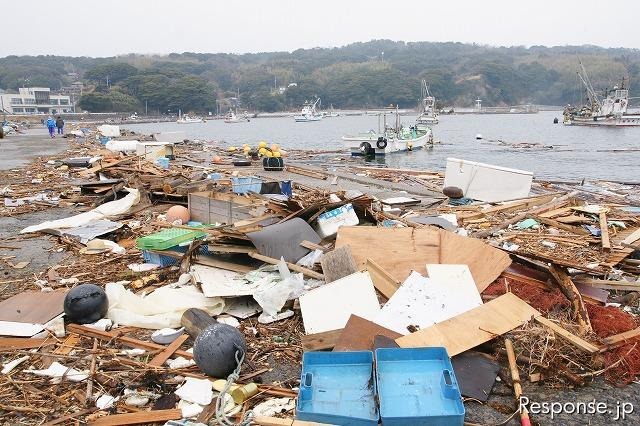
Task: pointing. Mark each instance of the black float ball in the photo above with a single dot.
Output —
(85, 304)
(214, 350)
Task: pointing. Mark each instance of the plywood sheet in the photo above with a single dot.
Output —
(329, 307)
(359, 334)
(401, 250)
(33, 307)
(473, 327)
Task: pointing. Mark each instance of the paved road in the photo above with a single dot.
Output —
(18, 149)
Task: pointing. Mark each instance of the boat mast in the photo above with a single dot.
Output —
(595, 101)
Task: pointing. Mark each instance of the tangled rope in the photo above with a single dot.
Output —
(221, 416)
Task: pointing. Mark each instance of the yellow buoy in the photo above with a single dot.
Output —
(277, 154)
(269, 154)
(232, 149)
(262, 144)
(262, 151)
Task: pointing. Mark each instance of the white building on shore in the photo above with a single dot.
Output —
(35, 100)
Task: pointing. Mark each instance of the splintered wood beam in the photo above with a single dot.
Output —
(568, 336)
(159, 359)
(569, 289)
(138, 418)
(604, 232)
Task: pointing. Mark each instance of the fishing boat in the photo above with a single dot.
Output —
(233, 117)
(389, 138)
(610, 110)
(308, 113)
(185, 119)
(330, 113)
(427, 108)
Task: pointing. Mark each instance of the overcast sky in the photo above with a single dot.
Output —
(111, 27)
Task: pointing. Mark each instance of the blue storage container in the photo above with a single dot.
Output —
(242, 185)
(417, 386)
(337, 388)
(165, 260)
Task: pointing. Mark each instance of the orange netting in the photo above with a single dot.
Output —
(543, 299)
(622, 363)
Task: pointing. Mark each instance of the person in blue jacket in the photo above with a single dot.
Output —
(51, 125)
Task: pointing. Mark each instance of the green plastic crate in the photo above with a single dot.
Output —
(168, 238)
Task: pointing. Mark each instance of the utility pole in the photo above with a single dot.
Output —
(146, 111)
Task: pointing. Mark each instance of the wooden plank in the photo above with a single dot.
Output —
(569, 289)
(473, 327)
(313, 246)
(577, 341)
(635, 236)
(68, 345)
(320, 341)
(293, 267)
(33, 307)
(382, 280)
(138, 418)
(569, 228)
(217, 263)
(552, 214)
(277, 421)
(305, 172)
(159, 359)
(127, 341)
(228, 248)
(551, 205)
(513, 205)
(621, 338)
(16, 343)
(401, 250)
(610, 285)
(338, 263)
(604, 232)
(359, 333)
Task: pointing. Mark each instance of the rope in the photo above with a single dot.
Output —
(221, 416)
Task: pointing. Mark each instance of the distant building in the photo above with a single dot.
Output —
(35, 100)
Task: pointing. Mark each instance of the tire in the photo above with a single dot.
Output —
(382, 143)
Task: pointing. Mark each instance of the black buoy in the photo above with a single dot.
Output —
(216, 344)
(214, 350)
(85, 304)
(555, 120)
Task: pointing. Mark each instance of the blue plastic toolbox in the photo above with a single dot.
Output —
(338, 388)
(417, 386)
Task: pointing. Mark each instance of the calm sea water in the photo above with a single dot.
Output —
(574, 154)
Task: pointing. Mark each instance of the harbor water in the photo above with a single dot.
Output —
(562, 152)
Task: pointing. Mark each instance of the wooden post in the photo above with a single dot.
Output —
(515, 376)
(604, 232)
(569, 289)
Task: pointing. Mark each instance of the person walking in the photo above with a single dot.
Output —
(60, 125)
(51, 125)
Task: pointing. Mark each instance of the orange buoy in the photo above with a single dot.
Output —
(178, 212)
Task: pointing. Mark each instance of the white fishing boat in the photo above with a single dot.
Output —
(308, 113)
(388, 139)
(610, 110)
(186, 119)
(233, 117)
(428, 114)
(330, 113)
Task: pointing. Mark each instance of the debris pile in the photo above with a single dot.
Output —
(206, 290)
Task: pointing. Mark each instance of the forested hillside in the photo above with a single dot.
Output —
(358, 75)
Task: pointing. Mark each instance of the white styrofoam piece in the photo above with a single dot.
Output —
(329, 222)
(486, 182)
(399, 200)
(329, 307)
(197, 391)
(19, 329)
(422, 301)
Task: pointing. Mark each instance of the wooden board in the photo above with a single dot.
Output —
(473, 327)
(127, 341)
(297, 268)
(621, 338)
(359, 333)
(604, 232)
(382, 280)
(568, 336)
(159, 359)
(68, 345)
(338, 264)
(401, 250)
(15, 343)
(632, 238)
(138, 418)
(320, 341)
(32, 307)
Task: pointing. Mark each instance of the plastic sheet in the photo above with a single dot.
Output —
(161, 309)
